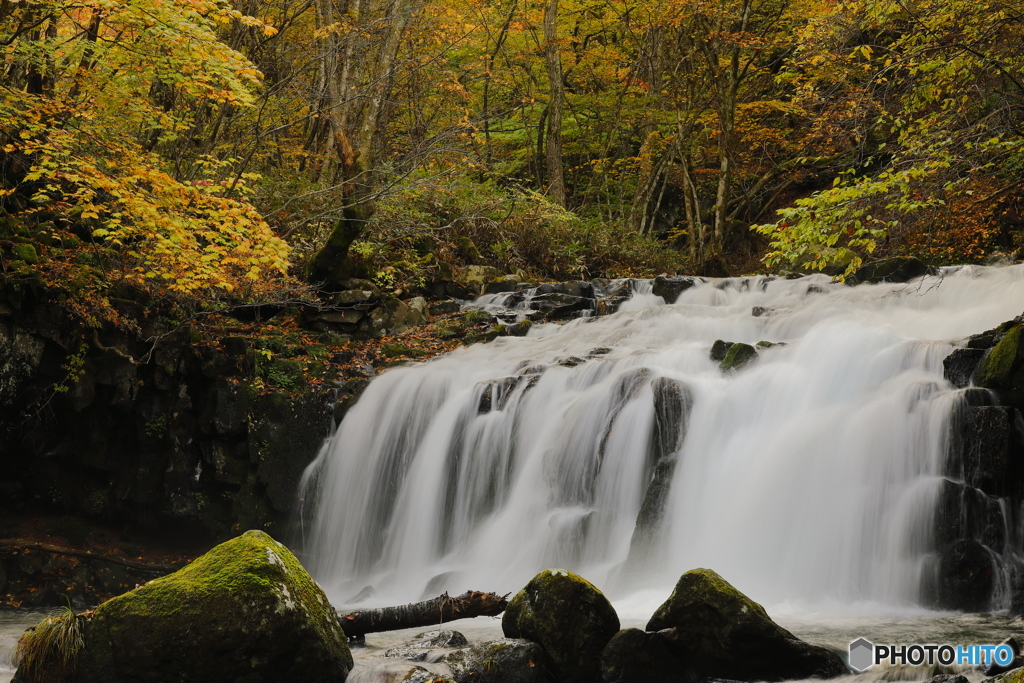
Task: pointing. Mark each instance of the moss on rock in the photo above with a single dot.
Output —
(569, 618)
(246, 610)
(724, 634)
(996, 368)
(738, 356)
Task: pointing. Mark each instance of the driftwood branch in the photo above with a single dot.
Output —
(57, 550)
(419, 614)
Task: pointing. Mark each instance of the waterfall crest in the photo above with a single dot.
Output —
(809, 475)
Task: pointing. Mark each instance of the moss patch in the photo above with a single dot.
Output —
(996, 369)
(738, 356)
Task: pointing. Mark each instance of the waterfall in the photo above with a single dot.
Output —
(809, 475)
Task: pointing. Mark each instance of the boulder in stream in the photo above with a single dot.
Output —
(724, 634)
(244, 611)
(569, 618)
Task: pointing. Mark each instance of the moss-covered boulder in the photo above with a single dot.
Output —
(738, 356)
(245, 611)
(724, 634)
(996, 369)
(569, 618)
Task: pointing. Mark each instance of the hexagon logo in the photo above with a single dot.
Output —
(862, 655)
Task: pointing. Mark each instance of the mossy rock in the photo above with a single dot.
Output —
(724, 634)
(569, 618)
(245, 611)
(26, 253)
(738, 356)
(996, 368)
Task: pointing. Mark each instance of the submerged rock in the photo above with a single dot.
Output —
(245, 611)
(569, 618)
(417, 650)
(724, 634)
(509, 660)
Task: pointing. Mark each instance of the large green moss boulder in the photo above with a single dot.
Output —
(996, 369)
(724, 634)
(569, 618)
(245, 611)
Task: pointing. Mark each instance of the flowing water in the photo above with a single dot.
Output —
(806, 479)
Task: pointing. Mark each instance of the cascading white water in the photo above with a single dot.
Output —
(809, 476)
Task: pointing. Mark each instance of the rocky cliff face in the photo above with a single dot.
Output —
(153, 429)
(977, 526)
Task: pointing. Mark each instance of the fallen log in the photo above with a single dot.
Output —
(419, 614)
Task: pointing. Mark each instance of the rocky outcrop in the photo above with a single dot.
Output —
(722, 633)
(669, 287)
(985, 472)
(896, 269)
(245, 611)
(569, 618)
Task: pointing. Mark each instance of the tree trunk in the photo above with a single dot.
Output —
(422, 614)
(553, 143)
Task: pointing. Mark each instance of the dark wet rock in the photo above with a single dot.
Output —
(495, 394)
(739, 355)
(984, 340)
(571, 361)
(719, 349)
(966, 575)
(599, 351)
(761, 311)
(611, 304)
(723, 633)
(635, 656)
(673, 402)
(768, 345)
(569, 618)
(896, 269)
(981, 451)
(959, 367)
(669, 287)
(508, 660)
(558, 306)
(246, 610)
(965, 512)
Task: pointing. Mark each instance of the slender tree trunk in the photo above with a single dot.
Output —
(727, 123)
(553, 142)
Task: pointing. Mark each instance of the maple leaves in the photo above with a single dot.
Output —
(77, 146)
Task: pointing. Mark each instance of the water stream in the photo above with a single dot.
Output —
(807, 478)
